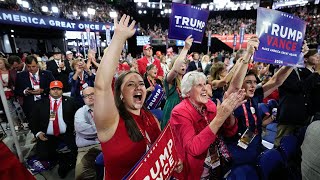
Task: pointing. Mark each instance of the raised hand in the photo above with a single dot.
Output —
(188, 42)
(305, 48)
(229, 104)
(252, 45)
(122, 30)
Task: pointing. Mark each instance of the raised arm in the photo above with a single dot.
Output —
(106, 115)
(240, 72)
(172, 74)
(279, 77)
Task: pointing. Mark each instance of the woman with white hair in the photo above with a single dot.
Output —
(196, 122)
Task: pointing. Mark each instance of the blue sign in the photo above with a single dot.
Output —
(40, 21)
(187, 20)
(155, 97)
(281, 38)
(241, 35)
(234, 40)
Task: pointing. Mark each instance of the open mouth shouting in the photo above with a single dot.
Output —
(138, 97)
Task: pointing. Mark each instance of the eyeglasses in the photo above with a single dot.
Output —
(88, 95)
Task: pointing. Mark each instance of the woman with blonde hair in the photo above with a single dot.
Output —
(205, 61)
(8, 86)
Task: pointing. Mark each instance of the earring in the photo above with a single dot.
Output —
(121, 97)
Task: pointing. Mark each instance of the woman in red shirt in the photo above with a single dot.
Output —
(125, 127)
(195, 123)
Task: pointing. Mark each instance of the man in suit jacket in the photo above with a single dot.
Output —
(148, 59)
(195, 64)
(60, 69)
(53, 124)
(32, 85)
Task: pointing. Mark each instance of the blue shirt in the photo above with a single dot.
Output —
(249, 155)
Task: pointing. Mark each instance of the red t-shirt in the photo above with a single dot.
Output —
(120, 153)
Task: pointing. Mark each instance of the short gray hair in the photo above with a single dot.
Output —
(190, 80)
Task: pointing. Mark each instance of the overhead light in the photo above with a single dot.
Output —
(204, 6)
(137, 1)
(44, 9)
(103, 44)
(25, 4)
(139, 4)
(144, 12)
(12, 30)
(19, 2)
(12, 35)
(166, 11)
(54, 9)
(148, 4)
(211, 7)
(169, 11)
(113, 14)
(161, 12)
(140, 12)
(91, 11)
(153, 6)
(75, 13)
(85, 14)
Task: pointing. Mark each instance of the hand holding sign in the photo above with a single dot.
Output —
(188, 42)
(305, 48)
(253, 44)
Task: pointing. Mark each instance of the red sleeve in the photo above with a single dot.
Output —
(229, 130)
(160, 70)
(192, 143)
(141, 67)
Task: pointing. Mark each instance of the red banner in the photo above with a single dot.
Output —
(160, 161)
(228, 40)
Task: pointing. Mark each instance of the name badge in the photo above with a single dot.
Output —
(246, 139)
(253, 110)
(85, 85)
(52, 115)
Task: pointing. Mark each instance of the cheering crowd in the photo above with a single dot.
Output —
(220, 107)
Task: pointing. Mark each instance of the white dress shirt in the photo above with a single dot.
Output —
(62, 124)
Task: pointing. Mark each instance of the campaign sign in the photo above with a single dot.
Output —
(281, 38)
(241, 35)
(187, 20)
(159, 162)
(155, 97)
(41, 21)
(234, 40)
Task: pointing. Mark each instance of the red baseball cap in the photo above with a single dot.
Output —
(56, 84)
(147, 46)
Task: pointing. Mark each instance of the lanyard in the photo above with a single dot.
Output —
(34, 80)
(147, 141)
(247, 118)
(52, 108)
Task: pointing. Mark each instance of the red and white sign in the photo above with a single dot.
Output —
(228, 40)
(160, 161)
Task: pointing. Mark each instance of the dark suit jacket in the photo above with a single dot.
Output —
(192, 66)
(23, 82)
(294, 97)
(41, 115)
(61, 76)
